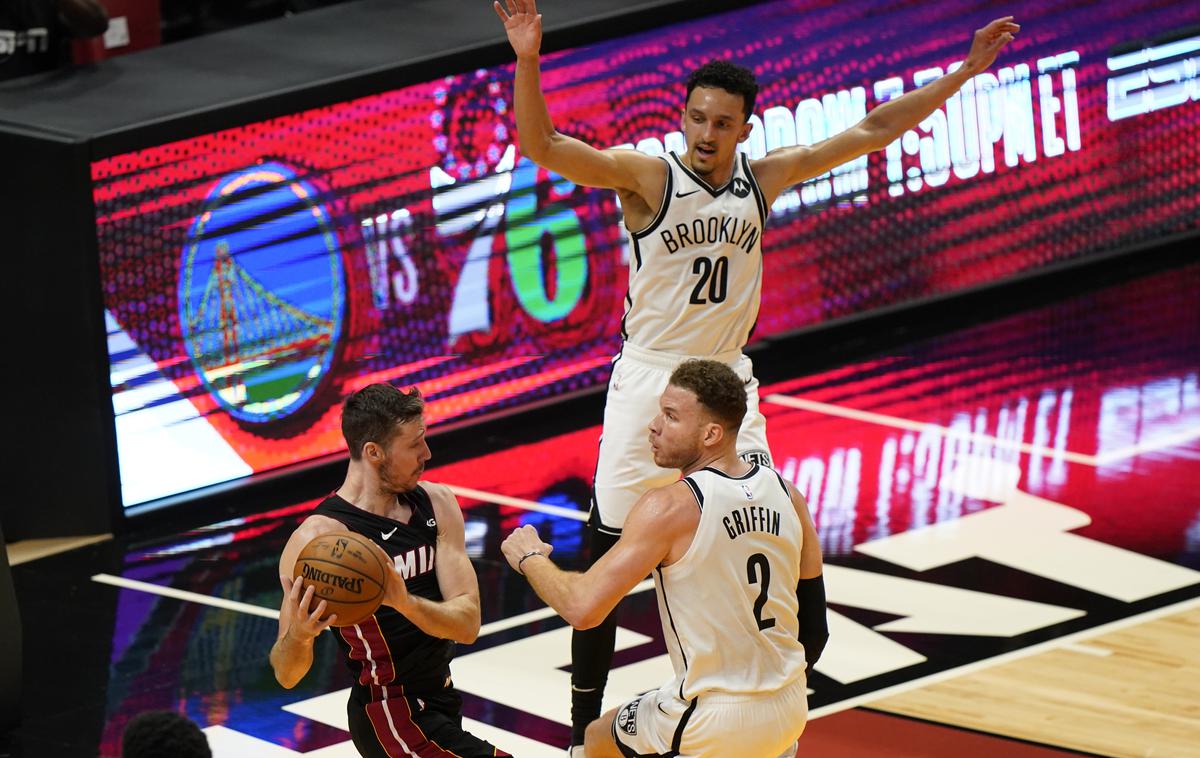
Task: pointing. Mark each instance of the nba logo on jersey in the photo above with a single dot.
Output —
(749, 493)
(627, 718)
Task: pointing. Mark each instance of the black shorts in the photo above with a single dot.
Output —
(406, 725)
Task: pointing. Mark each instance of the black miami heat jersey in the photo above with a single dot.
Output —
(386, 649)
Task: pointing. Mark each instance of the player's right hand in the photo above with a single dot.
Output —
(523, 24)
(298, 622)
(988, 42)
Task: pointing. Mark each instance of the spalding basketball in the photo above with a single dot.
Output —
(345, 572)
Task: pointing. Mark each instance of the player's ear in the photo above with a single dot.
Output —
(746, 129)
(371, 451)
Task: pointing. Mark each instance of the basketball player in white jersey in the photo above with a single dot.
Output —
(737, 569)
(695, 222)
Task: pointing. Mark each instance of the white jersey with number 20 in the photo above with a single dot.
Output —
(695, 273)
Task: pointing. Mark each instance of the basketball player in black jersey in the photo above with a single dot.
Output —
(402, 702)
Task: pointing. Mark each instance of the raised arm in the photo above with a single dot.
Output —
(625, 170)
(660, 525)
(456, 615)
(784, 167)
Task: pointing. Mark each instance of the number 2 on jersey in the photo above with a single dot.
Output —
(714, 275)
(758, 570)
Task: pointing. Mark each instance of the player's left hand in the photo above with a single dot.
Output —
(395, 591)
(988, 42)
(522, 541)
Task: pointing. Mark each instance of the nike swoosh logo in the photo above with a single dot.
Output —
(388, 535)
(685, 194)
(661, 709)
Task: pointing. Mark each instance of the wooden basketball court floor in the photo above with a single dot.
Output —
(1009, 513)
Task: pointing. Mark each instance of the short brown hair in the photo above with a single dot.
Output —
(372, 413)
(717, 387)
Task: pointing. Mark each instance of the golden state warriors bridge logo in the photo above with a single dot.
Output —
(262, 293)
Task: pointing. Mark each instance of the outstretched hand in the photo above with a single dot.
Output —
(523, 24)
(988, 42)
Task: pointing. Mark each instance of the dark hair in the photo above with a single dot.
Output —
(717, 388)
(163, 733)
(734, 79)
(372, 413)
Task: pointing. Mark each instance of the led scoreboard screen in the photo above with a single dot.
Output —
(254, 277)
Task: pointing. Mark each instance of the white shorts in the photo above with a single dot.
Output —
(625, 468)
(712, 725)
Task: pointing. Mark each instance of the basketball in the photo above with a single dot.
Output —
(347, 572)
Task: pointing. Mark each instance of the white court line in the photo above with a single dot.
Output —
(195, 597)
(922, 426)
(986, 663)
(516, 502)
(541, 613)
(258, 610)
(1099, 652)
(233, 605)
(1167, 440)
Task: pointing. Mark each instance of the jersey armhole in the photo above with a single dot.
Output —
(783, 484)
(668, 187)
(758, 195)
(695, 491)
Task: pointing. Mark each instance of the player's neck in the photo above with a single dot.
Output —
(363, 491)
(727, 462)
(718, 177)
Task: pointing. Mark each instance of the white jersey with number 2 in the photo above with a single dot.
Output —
(729, 605)
(695, 273)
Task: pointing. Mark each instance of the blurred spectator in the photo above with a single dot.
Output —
(34, 33)
(163, 734)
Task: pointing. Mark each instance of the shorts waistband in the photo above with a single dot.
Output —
(722, 697)
(366, 693)
(667, 360)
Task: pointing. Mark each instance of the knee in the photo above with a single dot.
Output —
(598, 741)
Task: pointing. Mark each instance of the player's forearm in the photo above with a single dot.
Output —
(814, 625)
(291, 659)
(535, 130)
(562, 591)
(454, 619)
(889, 121)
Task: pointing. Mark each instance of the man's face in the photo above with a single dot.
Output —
(403, 457)
(678, 431)
(713, 125)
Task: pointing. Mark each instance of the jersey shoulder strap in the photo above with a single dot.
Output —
(664, 205)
